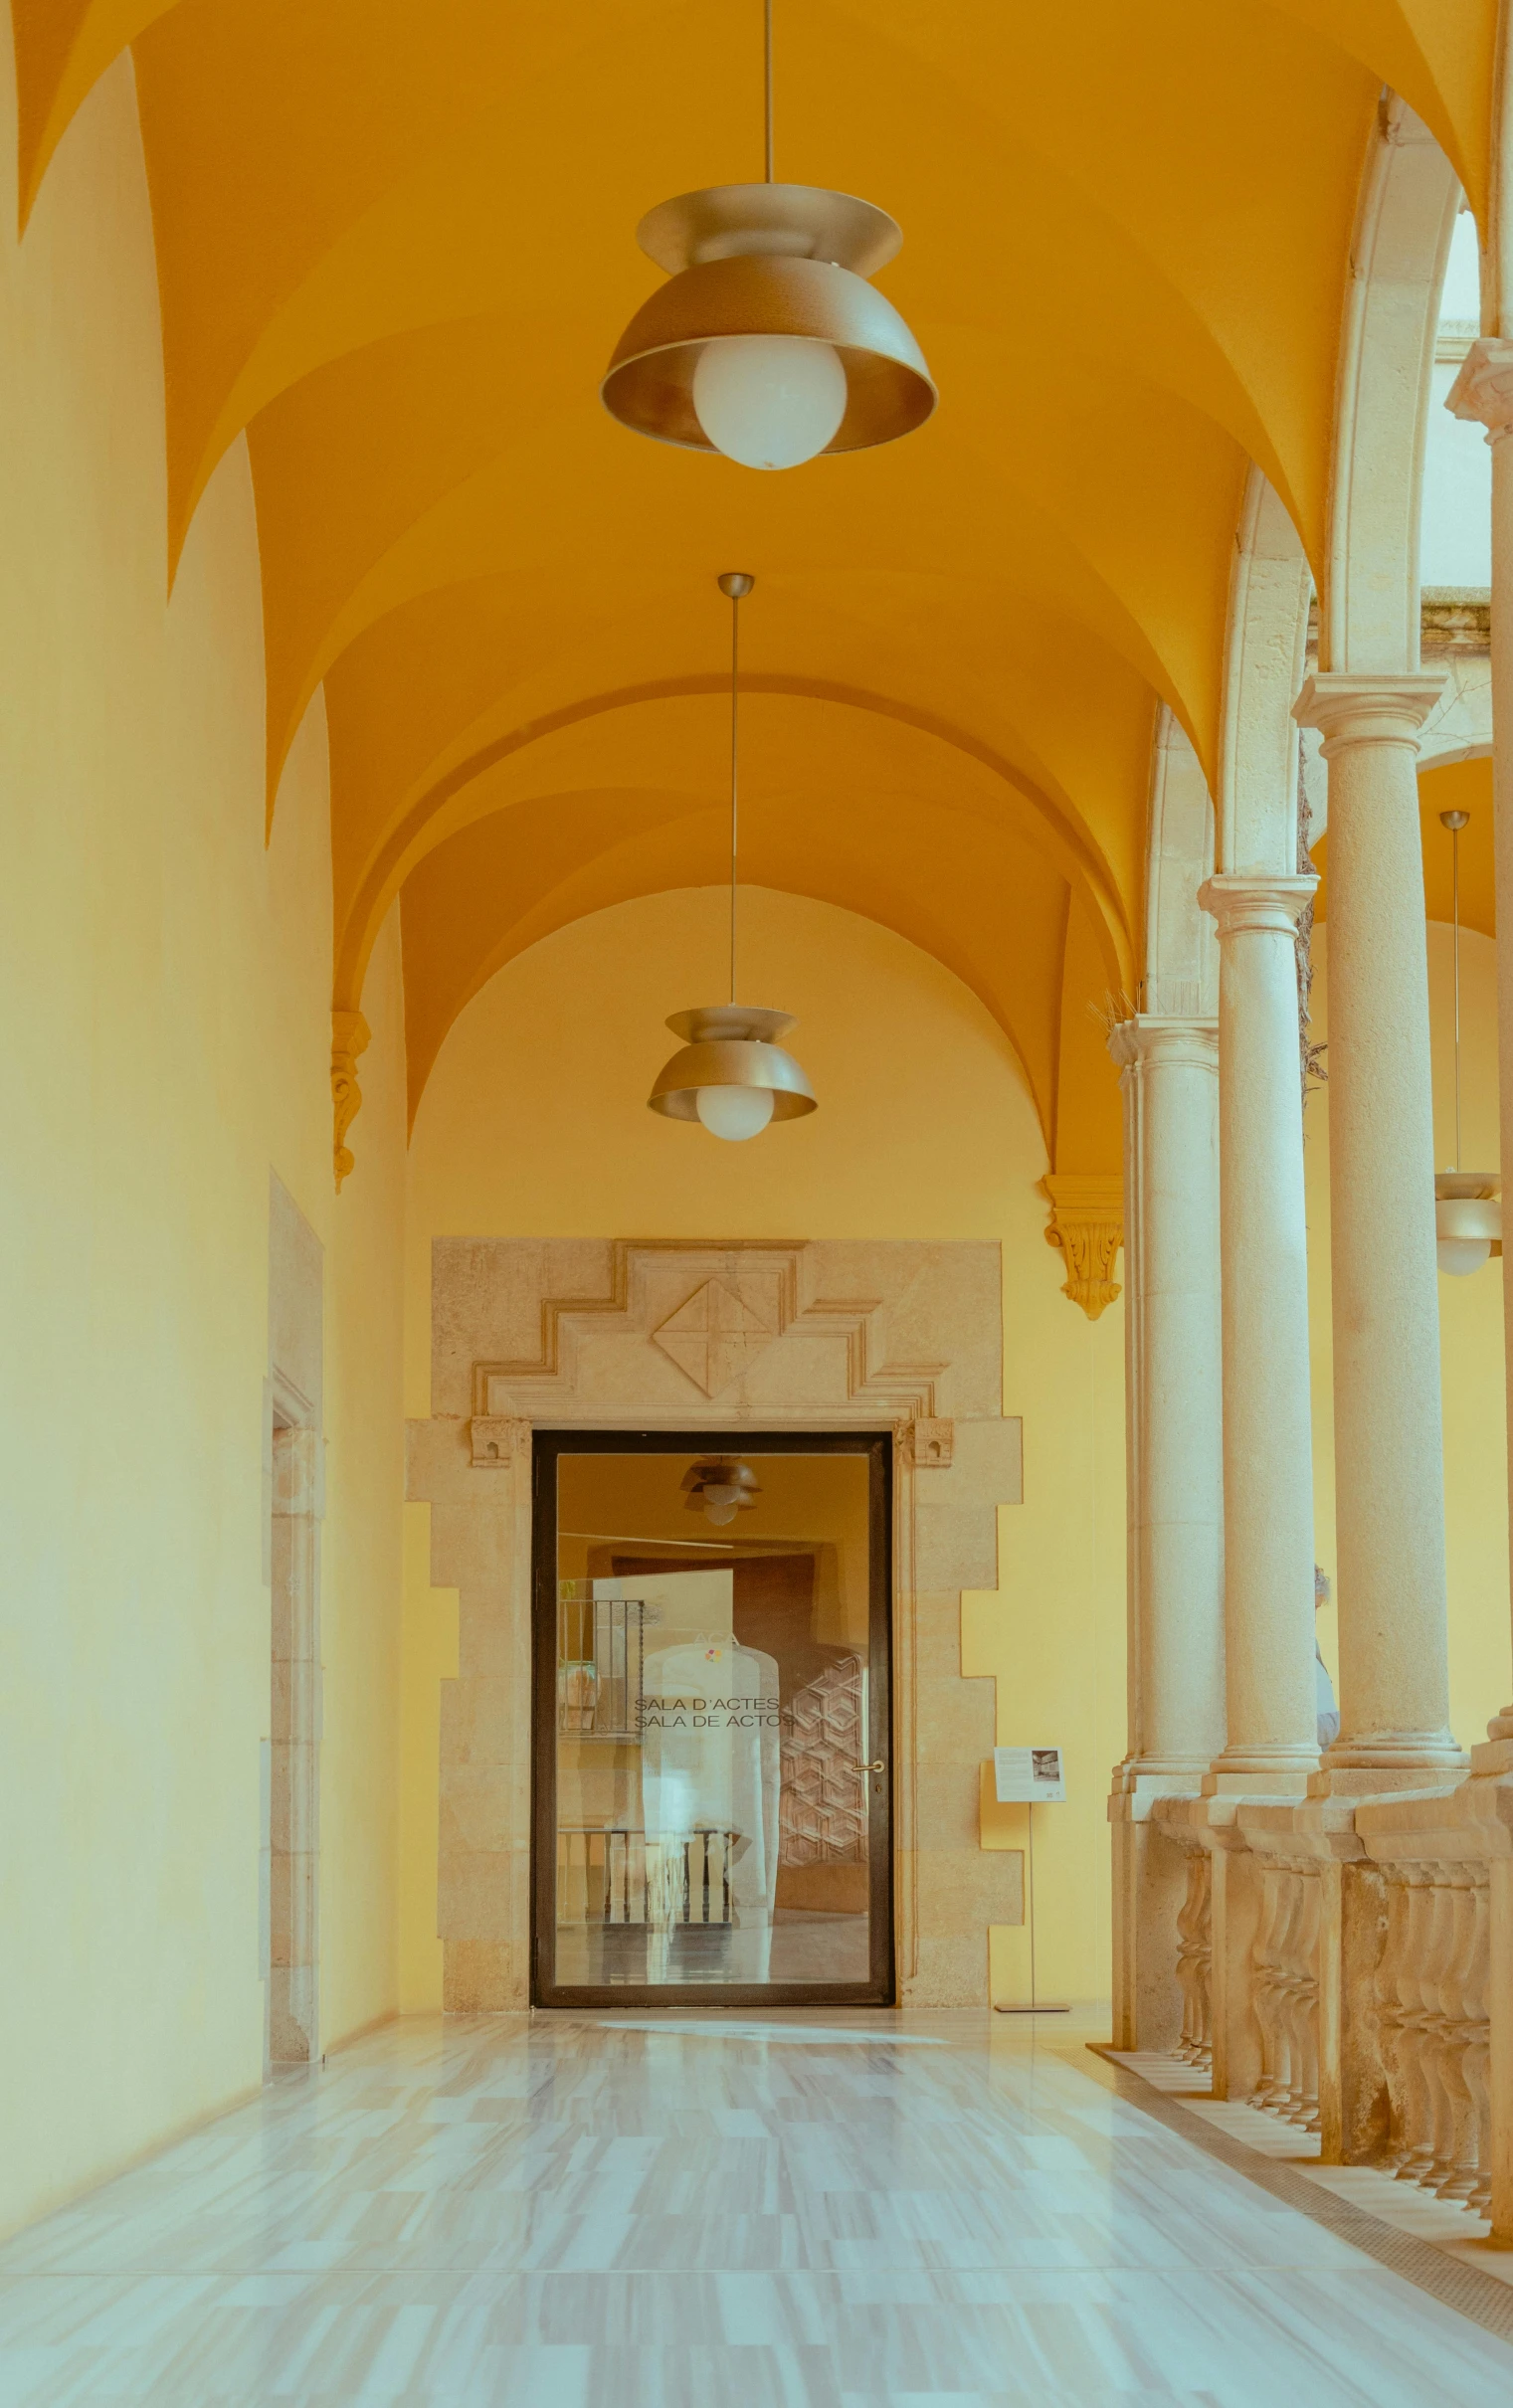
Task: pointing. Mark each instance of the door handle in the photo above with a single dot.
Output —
(877, 1765)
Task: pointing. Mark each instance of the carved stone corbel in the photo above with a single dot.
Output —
(1087, 1224)
(928, 1444)
(498, 1440)
(350, 1035)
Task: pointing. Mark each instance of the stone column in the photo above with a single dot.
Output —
(1388, 1451)
(1169, 1079)
(1268, 1432)
(1484, 390)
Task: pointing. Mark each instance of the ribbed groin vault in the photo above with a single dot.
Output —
(393, 244)
(1114, 1298)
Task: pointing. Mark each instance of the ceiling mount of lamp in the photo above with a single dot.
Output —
(1467, 1209)
(731, 1072)
(769, 344)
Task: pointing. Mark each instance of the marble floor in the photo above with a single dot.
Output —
(779, 2211)
(1446, 2224)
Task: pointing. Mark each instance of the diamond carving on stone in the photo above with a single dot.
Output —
(714, 1337)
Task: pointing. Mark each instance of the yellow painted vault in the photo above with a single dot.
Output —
(395, 247)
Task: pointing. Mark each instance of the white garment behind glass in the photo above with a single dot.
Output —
(711, 1757)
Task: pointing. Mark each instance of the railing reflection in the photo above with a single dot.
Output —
(601, 1651)
(614, 1875)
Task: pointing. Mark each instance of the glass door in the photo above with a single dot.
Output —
(711, 1719)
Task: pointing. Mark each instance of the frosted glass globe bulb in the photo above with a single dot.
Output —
(718, 1513)
(719, 1492)
(734, 1112)
(769, 400)
(1460, 1256)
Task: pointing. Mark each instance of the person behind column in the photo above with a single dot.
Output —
(1324, 1697)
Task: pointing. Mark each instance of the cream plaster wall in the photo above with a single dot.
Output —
(1471, 1338)
(534, 1123)
(163, 988)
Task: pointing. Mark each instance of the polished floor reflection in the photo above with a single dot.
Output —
(796, 1946)
(653, 2211)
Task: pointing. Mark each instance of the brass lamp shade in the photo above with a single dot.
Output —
(768, 260)
(720, 1471)
(730, 1046)
(1468, 1208)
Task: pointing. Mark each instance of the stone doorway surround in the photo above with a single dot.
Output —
(673, 1334)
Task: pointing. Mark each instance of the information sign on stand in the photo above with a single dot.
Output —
(1029, 1778)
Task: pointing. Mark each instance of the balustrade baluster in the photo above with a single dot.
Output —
(1434, 2044)
(1202, 1961)
(1263, 1992)
(1479, 2048)
(1191, 1954)
(1303, 2005)
(1419, 2108)
(1275, 2088)
(1389, 2003)
(1460, 2181)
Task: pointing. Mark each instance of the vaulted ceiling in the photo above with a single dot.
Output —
(395, 247)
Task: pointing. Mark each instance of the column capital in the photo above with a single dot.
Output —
(1368, 706)
(1483, 390)
(1165, 1037)
(1249, 900)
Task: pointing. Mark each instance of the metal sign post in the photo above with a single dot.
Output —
(1029, 1776)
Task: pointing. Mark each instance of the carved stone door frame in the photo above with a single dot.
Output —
(721, 1336)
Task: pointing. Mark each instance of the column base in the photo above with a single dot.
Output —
(1159, 1776)
(1493, 1756)
(1379, 1780)
(1386, 1760)
(1261, 1772)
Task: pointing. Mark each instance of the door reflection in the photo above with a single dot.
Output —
(714, 1635)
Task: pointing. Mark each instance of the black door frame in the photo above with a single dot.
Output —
(548, 1446)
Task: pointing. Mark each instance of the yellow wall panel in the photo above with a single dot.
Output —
(164, 987)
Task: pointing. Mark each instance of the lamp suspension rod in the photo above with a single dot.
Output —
(1456, 893)
(735, 672)
(767, 58)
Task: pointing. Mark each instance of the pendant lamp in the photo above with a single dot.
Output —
(1467, 1213)
(731, 1072)
(769, 344)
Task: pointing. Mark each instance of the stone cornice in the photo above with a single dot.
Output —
(1368, 706)
(1484, 388)
(1263, 901)
(1451, 618)
(1455, 618)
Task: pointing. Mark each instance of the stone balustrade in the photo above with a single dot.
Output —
(1347, 1964)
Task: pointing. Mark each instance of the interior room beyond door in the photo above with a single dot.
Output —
(711, 1719)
